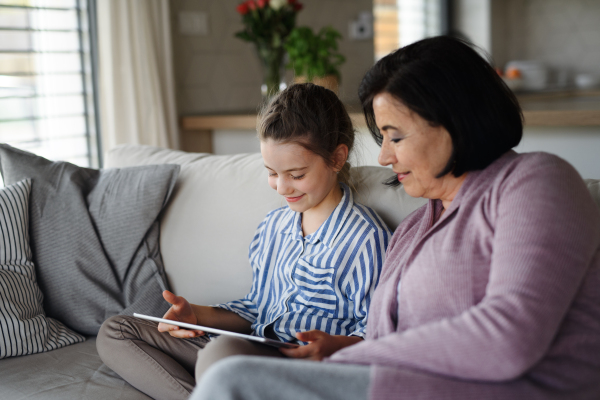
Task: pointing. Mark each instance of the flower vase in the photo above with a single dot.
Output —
(273, 68)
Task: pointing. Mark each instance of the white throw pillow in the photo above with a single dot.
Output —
(24, 328)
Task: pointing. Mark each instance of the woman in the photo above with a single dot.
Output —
(491, 290)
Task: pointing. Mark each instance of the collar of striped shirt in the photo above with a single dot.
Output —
(328, 231)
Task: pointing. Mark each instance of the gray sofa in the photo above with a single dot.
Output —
(205, 231)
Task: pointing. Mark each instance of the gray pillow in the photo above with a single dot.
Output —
(94, 236)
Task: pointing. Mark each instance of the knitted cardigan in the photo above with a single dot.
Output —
(500, 298)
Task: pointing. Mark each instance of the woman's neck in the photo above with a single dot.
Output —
(453, 185)
(313, 218)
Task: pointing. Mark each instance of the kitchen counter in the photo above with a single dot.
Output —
(564, 108)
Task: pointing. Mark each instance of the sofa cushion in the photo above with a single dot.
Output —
(24, 328)
(73, 372)
(593, 186)
(94, 236)
(218, 203)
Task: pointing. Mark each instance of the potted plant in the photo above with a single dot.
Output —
(315, 57)
(267, 24)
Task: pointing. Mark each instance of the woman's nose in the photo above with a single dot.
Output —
(386, 155)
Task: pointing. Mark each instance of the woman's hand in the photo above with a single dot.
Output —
(320, 345)
(181, 310)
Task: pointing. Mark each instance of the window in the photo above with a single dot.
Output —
(402, 22)
(47, 102)
(386, 35)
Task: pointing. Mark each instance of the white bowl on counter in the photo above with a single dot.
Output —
(587, 81)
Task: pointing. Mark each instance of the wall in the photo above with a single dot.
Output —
(563, 34)
(219, 73)
(579, 145)
(365, 150)
(566, 36)
(207, 64)
(472, 18)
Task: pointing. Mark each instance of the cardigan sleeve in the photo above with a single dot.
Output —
(546, 234)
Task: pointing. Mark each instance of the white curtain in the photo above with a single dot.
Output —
(136, 84)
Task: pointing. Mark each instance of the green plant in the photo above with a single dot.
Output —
(313, 55)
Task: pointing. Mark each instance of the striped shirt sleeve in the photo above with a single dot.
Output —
(365, 276)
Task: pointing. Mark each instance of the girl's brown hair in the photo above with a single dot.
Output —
(311, 116)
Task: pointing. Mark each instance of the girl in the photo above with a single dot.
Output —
(315, 262)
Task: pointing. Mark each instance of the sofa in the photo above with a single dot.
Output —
(205, 230)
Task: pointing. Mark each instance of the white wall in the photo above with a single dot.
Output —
(235, 142)
(245, 141)
(580, 146)
(473, 19)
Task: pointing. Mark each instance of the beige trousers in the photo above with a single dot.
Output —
(161, 366)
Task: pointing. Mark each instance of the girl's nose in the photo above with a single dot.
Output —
(283, 188)
(386, 154)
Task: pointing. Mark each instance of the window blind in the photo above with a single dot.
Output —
(47, 79)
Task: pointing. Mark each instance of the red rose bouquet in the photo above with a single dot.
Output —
(267, 24)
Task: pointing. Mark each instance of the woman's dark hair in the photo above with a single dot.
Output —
(311, 116)
(446, 82)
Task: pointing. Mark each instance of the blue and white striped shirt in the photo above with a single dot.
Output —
(322, 281)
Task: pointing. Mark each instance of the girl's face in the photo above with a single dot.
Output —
(299, 175)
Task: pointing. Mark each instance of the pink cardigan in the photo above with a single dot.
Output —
(498, 299)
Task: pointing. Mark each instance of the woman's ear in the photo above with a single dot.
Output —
(340, 156)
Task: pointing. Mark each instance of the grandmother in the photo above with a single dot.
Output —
(492, 289)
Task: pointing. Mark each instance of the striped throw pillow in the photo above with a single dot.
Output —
(24, 328)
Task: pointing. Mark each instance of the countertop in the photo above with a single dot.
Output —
(557, 108)
(561, 108)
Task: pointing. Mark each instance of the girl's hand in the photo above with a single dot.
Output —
(181, 310)
(320, 345)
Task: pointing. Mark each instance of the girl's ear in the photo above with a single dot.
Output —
(340, 155)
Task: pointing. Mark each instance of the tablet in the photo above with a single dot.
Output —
(270, 342)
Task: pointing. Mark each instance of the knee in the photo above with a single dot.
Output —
(225, 345)
(217, 350)
(222, 380)
(224, 369)
(110, 331)
(111, 327)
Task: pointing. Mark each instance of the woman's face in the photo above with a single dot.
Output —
(416, 150)
(299, 175)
